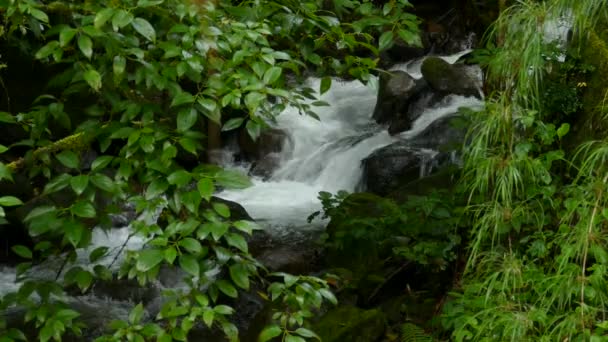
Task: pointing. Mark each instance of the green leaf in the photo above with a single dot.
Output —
(205, 188)
(69, 159)
(98, 253)
(66, 35)
(136, 314)
(47, 50)
(272, 75)
(156, 188)
(102, 17)
(328, 295)
(170, 254)
(208, 317)
(232, 124)
(253, 100)
(246, 226)
(121, 19)
(191, 245)
(238, 241)
(103, 182)
(101, 162)
(563, 130)
(143, 27)
(119, 65)
(293, 338)
(57, 184)
(39, 211)
(83, 209)
(148, 259)
(38, 14)
(269, 333)
(385, 41)
(253, 129)
(227, 288)
(306, 333)
(179, 178)
(221, 209)
(240, 276)
(189, 264)
(5, 172)
(188, 144)
(325, 85)
(93, 78)
(181, 98)
(79, 183)
(84, 279)
(186, 118)
(22, 251)
(85, 44)
(73, 231)
(9, 201)
(223, 310)
(233, 179)
(7, 117)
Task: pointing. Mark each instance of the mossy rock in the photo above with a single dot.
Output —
(349, 323)
(449, 78)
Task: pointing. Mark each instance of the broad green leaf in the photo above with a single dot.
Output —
(98, 253)
(136, 314)
(223, 310)
(38, 14)
(119, 65)
(121, 19)
(181, 98)
(272, 75)
(269, 333)
(22, 251)
(69, 159)
(57, 184)
(294, 338)
(306, 333)
(188, 144)
(240, 276)
(156, 188)
(73, 231)
(144, 28)
(227, 288)
(328, 295)
(325, 85)
(79, 183)
(103, 182)
(238, 241)
(253, 129)
(83, 209)
(563, 130)
(84, 279)
(170, 254)
(7, 117)
(66, 35)
(186, 118)
(385, 41)
(103, 16)
(47, 50)
(233, 179)
(148, 259)
(5, 172)
(221, 209)
(189, 264)
(85, 44)
(253, 100)
(191, 245)
(208, 317)
(232, 124)
(246, 226)
(39, 211)
(9, 201)
(93, 78)
(101, 162)
(205, 188)
(179, 178)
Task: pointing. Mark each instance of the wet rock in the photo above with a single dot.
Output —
(397, 92)
(272, 140)
(349, 323)
(391, 165)
(449, 78)
(266, 166)
(444, 134)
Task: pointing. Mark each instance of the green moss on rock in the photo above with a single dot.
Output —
(349, 323)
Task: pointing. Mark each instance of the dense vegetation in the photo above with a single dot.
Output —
(107, 104)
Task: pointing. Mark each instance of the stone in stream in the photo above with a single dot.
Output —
(397, 92)
(450, 78)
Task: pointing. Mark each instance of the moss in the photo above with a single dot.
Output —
(349, 323)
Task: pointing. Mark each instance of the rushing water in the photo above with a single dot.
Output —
(324, 155)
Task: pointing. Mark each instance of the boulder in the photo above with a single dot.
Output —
(391, 165)
(349, 323)
(266, 166)
(397, 91)
(444, 134)
(272, 140)
(449, 78)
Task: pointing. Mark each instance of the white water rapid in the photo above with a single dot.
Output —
(327, 153)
